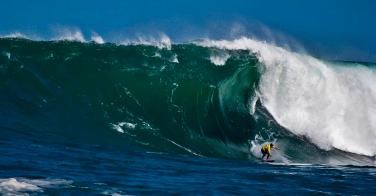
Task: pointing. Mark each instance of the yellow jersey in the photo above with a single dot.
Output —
(266, 149)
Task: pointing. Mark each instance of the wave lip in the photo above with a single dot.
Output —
(66, 34)
(96, 38)
(15, 35)
(161, 42)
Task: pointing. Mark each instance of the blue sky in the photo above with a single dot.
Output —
(336, 29)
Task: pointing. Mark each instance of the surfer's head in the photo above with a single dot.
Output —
(271, 145)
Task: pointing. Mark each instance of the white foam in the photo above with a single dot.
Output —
(333, 106)
(119, 127)
(62, 33)
(113, 192)
(65, 33)
(12, 187)
(17, 186)
(219, 59)
(157, 55)
(96, 38)
(8, 55)
(15, 35)
(128, 125)
(165, 41)
(162, 42)
(175, 59)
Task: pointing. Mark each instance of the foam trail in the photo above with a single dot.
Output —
(280, 156)
(18, 186)
(333, 105)
(255, 149)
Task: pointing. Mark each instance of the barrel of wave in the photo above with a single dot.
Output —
(333, 104)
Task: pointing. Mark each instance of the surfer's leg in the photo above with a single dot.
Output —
(263, 154)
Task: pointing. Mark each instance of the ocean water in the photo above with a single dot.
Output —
(156, 118)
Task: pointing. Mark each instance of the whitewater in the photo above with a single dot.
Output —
(331, 103)
(155, 117)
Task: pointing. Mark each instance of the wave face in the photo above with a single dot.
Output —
(207, 98)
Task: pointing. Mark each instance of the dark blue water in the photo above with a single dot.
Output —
(185, 119)
(60, 168)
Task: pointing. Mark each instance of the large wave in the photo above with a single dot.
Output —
(331, 103)
(206, 97)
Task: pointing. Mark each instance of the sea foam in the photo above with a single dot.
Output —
(17, 186)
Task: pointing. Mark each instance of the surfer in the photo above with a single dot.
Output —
(265, 150)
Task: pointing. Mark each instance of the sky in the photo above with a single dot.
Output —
(336, 29)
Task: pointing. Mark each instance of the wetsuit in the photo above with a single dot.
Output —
(265, 150)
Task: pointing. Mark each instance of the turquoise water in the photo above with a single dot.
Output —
(161, 118)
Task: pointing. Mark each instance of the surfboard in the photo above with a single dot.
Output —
(270, 161)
